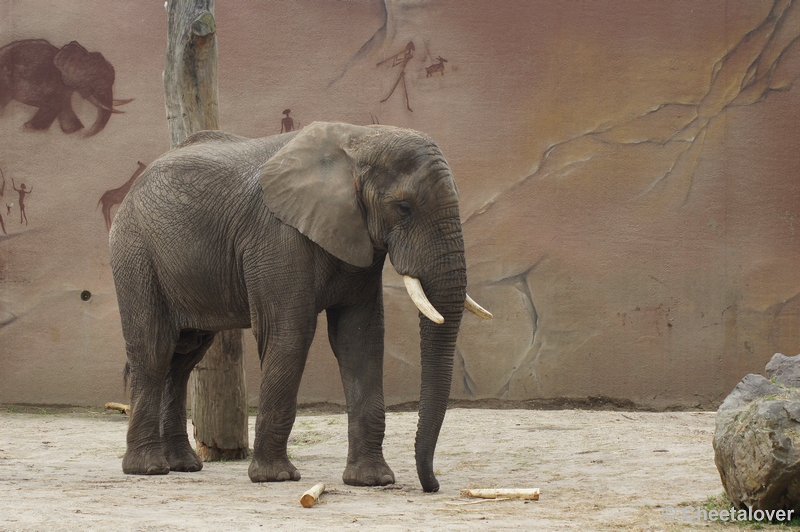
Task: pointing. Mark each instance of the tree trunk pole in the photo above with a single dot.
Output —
(218, 387)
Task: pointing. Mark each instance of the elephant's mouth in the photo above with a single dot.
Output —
(417, 294)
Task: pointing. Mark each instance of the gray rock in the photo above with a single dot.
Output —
(783, 369)
(757, 445)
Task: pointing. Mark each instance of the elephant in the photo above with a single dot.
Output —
(227, 232)
(36, 73)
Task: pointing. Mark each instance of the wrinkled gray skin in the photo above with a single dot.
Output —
(222, 233)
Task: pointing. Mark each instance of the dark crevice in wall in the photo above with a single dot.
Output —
(520, 283)
(467, 382)
(776, 327)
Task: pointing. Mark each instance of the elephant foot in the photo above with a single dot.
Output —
(181, 457)
(32, 126)
(368, 474)
(69, 127)
(145, 461)
(69, 122)
(272, 471)
(41, 121)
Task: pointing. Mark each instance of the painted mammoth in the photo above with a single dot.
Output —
(227, 232)
(36, 73)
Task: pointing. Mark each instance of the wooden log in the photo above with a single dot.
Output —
(531, 494)
(219, 393)
(125, 409)
(311, 497)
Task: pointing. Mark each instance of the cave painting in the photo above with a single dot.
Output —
(22, 191)
(115, 196)
(287, 124)
(436, 67)
(400, 59)
(36, 73)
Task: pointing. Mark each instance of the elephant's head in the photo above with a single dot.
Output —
(355, 190)
(92, 77)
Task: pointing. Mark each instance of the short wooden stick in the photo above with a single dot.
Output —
(125, 409)
(311, 497)
(531, 494)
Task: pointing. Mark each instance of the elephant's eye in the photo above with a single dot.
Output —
(404, 208)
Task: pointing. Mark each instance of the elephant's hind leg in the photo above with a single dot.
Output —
(144, 454)
(192, 345)
(150, 341)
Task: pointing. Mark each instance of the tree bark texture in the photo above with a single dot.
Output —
(219, 400)
(190, 77)
(218, 387)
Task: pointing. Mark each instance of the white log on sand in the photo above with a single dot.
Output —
(311, 497)
(531, 494)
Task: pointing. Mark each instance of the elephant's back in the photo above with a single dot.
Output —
(211, 165)
(29, 46)
(208, 182)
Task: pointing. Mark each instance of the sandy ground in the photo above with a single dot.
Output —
(597, 470)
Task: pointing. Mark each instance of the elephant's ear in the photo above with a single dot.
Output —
(310, 184)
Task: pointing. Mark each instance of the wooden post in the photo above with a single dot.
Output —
(190, 77)
(218, 389)
(219, 400)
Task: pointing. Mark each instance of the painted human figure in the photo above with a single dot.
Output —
(401, 59)
(22, 193)
(287, 124)
(8, 207)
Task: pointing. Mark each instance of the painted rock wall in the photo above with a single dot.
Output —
(627, 170)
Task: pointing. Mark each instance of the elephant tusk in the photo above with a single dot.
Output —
(476, 309)
(123, 102)
(97, 103)
(419, 298)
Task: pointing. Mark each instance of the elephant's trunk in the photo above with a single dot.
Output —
(446, 290)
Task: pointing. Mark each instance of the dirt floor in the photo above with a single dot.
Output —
(597, 470)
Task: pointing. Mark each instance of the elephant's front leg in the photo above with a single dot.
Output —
(356, 336)
(283, 351)
(68, 120)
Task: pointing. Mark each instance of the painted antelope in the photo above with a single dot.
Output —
(116, 195)
(436, 67)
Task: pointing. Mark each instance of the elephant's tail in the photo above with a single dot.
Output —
(126, 375)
